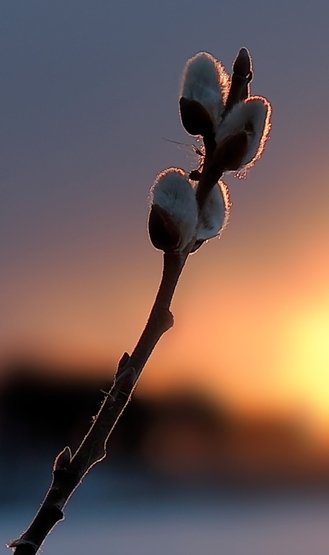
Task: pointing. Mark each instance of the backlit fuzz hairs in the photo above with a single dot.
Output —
(175, 221)
(174, 211)
(252, 117)
(187, 210)
(206, 83)
(214, 215)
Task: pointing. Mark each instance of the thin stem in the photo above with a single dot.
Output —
(210, 174)
(69, 471)
(160, 314)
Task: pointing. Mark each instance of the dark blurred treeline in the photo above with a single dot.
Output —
(174, 440)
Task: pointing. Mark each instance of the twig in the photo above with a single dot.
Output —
(230, 154)
(68, 470)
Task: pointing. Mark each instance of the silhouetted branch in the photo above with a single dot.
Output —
(68, 470)
(182, 217)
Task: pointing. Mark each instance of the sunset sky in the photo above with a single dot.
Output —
(89, 94)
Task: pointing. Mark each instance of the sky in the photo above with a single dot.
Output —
(89, 95)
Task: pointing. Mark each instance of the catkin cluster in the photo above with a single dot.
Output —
(189, 209)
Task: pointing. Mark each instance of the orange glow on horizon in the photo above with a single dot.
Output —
(306, 362)
(249, 331)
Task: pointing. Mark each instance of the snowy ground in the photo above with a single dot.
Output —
(263, 526)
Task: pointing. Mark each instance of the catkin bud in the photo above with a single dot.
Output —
(174, 213)
(252, 118)
(230, 153)
(214, 214)
(203, 94)
(242, 63)
(241, 77)
(195, 118)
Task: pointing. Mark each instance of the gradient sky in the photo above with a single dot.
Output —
(88, 92)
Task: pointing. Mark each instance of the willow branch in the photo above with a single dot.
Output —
(68, 470)
(220, 155)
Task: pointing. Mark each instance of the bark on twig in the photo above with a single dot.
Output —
(68, 470)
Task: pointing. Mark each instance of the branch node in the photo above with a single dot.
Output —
(107, 395)
(169, 319)
(125, 381)
(58, 513)
(61, 475)
(63, 459)
(123, 360)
